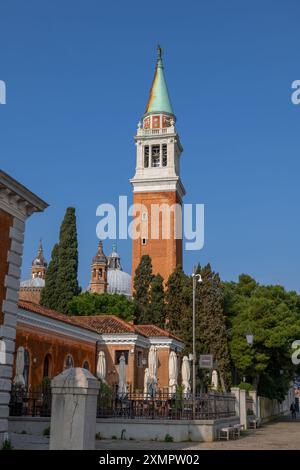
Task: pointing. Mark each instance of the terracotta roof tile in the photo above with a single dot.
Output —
(109, 324)
(36, 308)
(102, 324)
(153, 330)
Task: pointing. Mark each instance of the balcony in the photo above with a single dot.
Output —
(155, 132)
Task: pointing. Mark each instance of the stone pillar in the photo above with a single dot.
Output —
(253, 395)
(74, 409)
(243, 408)
(17, 203)
(236, 392)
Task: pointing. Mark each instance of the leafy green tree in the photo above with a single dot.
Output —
(272, 315)
(142, 284)
(67, 282)
(157, 301)
(49, 292)
(89, 303)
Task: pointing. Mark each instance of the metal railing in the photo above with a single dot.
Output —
(212, 405)
(136, 406)
(30, 403)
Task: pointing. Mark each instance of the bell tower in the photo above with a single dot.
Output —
(39, 264)
(98, 282)
(157, 187)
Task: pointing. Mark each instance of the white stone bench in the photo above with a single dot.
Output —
(253, 423)
(226, 433)
(237, 430)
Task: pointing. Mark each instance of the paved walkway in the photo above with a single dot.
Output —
(283, 434)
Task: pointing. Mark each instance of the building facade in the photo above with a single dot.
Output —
(17, 203)
(53, 341)
(157, 186)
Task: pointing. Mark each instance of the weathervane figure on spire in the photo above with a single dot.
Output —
(159, 52)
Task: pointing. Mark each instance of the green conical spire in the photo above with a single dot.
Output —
(159, 100)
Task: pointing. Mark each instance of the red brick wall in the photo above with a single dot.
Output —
(6, 221)
(165, 254)
(32, 294)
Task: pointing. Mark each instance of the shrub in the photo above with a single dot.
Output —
(114, 437)
(46, 431)
(169, 438)
(6, 445)
(246, 386)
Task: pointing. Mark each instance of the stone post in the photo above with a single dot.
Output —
(236, 392)
(253, 395)
(74, 409)
(243, 408)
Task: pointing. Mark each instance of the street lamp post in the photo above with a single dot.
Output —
(196, 278)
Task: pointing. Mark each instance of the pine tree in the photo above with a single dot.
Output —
(67, 283)
(211, 323)
(157, 309)
(49, 292)
(142, 282)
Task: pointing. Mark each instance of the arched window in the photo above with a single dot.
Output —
(47, 366)
(69, 361)
(86, 365)
(26, 367)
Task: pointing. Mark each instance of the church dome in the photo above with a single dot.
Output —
(119, 282)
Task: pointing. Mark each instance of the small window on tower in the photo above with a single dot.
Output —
(144, 241)
(164, 155)
(155, 154)
(146, 156)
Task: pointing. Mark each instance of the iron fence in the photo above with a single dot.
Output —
(133, 405)
(30, 403)
(137, 406)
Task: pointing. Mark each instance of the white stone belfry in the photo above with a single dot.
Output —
(74, 409)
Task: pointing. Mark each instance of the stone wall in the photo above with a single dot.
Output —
(142, 429)
(156, 430)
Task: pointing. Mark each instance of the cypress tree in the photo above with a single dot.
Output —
(157, 302)
(142, 282)
(179, 306)
(211, 322)
(49, 292)
(67, 283)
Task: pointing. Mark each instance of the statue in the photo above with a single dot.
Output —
(214, 380)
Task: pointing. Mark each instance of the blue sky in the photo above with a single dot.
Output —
(78, 75)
